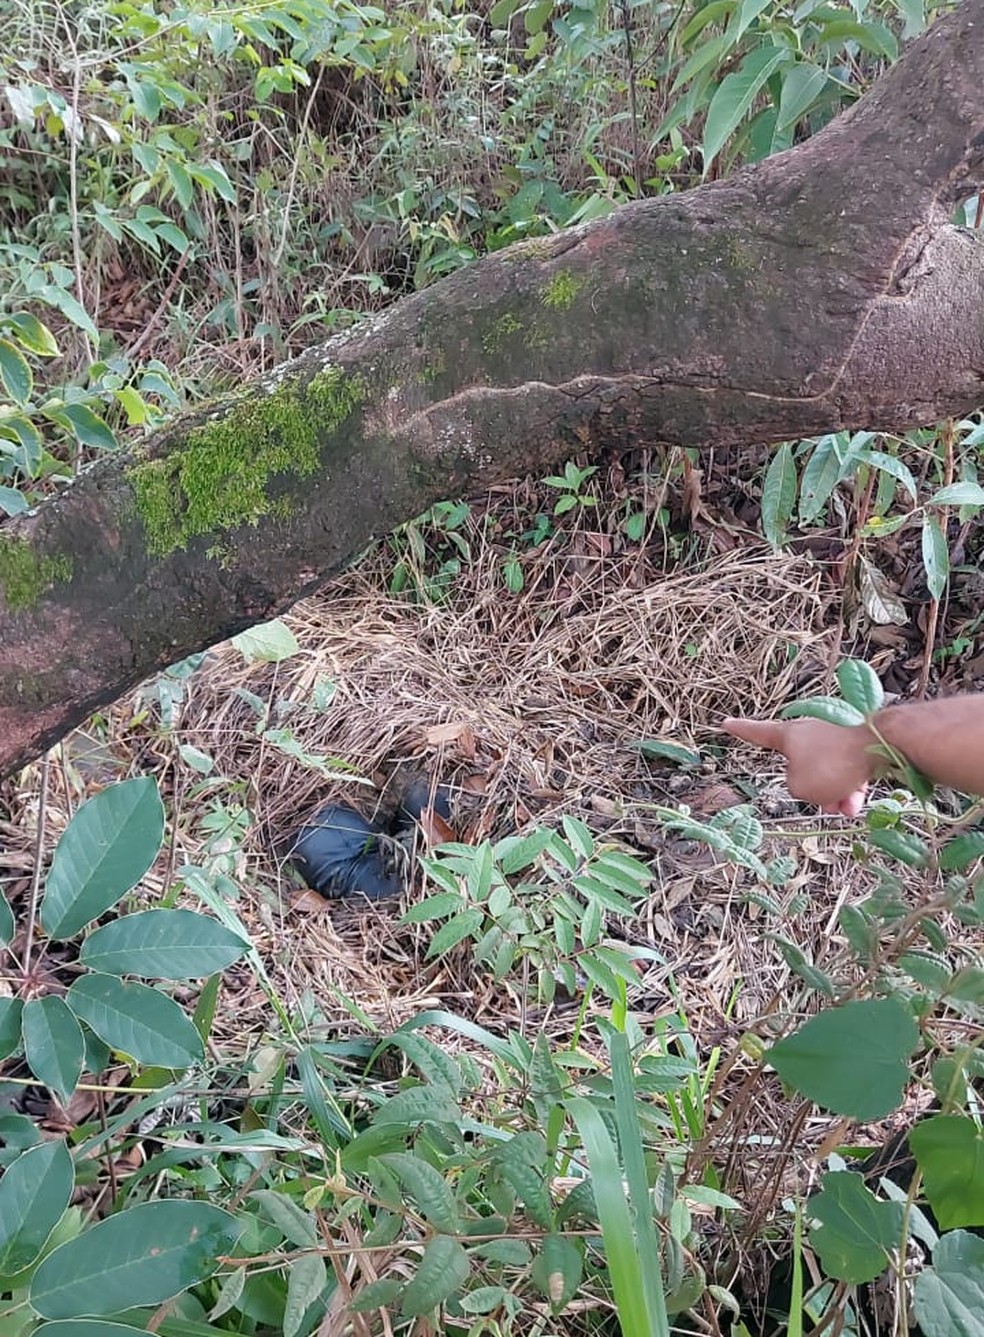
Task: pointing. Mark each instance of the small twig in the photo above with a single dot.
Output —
(32, 908)
(278, 250)
(633, 101)
(133, 349)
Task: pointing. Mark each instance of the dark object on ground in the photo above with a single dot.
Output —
(339, 853)
(414, 796)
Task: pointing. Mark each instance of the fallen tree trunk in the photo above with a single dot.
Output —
(823, 289)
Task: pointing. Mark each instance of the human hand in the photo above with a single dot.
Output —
(826, 764)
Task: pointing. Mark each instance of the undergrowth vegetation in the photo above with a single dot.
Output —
(189, 194)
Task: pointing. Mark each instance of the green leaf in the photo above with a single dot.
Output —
(136, 1020)
(34, 1192)
(85, 425)
(464, 925)
(557, 1270)
(949, 1150)
(819, 478)
(802, 85)
(935, 555)
(87, 1327)
(69, 307)
(307, 1278)
(53, 1044)
(962, 851)
(958, 494)
(427, 1189)
(382, 1294)
(860, 686)
(31, 333)
(295, 1224)
(829, 708)
(888, 464)
(11, 1013)
(12, 501)
(133, 404)
(268, 643)
(163, 944)
(949, 1296)
(626, 1267)
(6, 921)
(16, 376)
(851, 1059)
(443, 1268)
(103, 853)
(779, 495)
(901, 845)
(657, 747)
(735, 95)
(142, 1256)
(857, 1232)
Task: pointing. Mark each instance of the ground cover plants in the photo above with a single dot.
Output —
(643, 1047)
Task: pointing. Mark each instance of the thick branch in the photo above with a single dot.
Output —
(822, 290)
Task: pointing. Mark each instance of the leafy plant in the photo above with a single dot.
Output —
(541, 899)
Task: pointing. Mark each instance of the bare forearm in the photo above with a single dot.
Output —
(944, 739)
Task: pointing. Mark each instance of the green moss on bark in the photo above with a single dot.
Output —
(560, 292)
(24, 576)
(219, 478)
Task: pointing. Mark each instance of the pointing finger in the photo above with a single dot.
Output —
(763, 733)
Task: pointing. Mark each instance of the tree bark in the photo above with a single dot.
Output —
(823, 289)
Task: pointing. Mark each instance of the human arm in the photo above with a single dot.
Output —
(832, 765)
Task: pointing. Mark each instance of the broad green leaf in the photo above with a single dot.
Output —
(463, 925)
(32, 333)
(949, 1296)
(735, 95)
(557, 1270)
(53, 1044)
(949, 1150)
(162, 944)
(296, 1225)
(136, 1020)
(829, 708)
(935, 555)
(133, 404)
(779, 495)
(962, 851)
(12, 501)
(11, 1013)
(426, 1188)
(820, 476)
(142, 1256)
(382, 1294)
(857, 1232)
(888, 464)
(307, 1278)
(433, 907)
(901, 845)
(860, 686)
(967, 985)
(958, 494)
(802, 84)
(657, 747)
(69, 307)
(103, 853)
(443, 1268)
(269, 643)
(85, 425)
(851, 1059)
(87, 1327)
(16, 376)
(6, 921)
(34, 1192)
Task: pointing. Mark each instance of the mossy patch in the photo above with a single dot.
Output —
(24, 576)
(501, 331)
(560, 292)
(219, 478)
